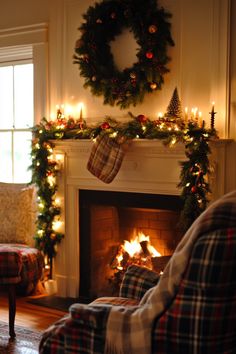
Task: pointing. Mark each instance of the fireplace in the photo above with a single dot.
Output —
(149, 173)
(107, 219)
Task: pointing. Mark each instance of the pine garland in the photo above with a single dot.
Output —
(102, 23)
(193, 178)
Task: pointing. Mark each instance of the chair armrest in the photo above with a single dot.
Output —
(91, 316)
(137, 280)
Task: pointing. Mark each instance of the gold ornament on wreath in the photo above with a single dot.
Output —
(103, 22)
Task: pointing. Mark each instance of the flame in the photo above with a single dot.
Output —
(135, 250)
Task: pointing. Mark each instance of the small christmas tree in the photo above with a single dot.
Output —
(174, 110)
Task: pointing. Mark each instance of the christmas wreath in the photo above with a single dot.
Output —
(103, 22)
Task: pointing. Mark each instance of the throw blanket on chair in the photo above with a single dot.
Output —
(129, 330)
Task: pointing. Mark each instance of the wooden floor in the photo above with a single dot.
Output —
(28, 315)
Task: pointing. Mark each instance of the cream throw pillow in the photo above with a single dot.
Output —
(17, 214)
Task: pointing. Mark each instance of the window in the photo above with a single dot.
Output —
(16, 119)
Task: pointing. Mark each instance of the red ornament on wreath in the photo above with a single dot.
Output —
(152, 29)
(105, 126)
(141, 118)
(194, 189)
(149, 55)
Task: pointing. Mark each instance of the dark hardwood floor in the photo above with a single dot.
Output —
(28, 315)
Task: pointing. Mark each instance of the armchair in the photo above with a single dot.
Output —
(190, 308)
(21, 265)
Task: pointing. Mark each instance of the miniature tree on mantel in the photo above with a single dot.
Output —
(174, 109)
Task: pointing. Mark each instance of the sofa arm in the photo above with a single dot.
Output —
(137, 280)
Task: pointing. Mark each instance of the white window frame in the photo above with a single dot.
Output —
(29, 42)
(14, 42)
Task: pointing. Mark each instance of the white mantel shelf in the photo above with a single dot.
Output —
(148, 167)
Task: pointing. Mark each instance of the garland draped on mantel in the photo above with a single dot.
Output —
(193, 177)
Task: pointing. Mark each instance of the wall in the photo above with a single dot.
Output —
(198, 67)
(15, 13)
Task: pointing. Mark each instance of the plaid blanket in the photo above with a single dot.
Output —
(106, 158)
(129, 329)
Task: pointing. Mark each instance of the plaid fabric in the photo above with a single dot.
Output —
(115, 301)
(10, 264)
(20, 264)
(105, 159)
(137, 280)
(197, 314)
(83, 331)
(131, 331)
(202, 317)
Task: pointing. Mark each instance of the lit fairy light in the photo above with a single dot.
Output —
(57, 201)
(40, 233)
(41, 205)
(56, 225)
(51, 180)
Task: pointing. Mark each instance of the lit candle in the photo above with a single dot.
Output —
(213, 113)
(200, 118)
(80, 110)
(81, 113)
(213, 107)
(186, 114)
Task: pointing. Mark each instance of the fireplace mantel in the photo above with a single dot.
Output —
(148, 167)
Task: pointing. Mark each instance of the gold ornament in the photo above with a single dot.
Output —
(132, 75)
(152, 29)
(153, 86)
(99, 21)
(94, 78)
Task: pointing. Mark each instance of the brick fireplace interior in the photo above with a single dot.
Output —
(108, 218)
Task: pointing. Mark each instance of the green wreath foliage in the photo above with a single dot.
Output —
(103, 22)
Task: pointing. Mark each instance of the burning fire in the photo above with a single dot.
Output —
(139, 251)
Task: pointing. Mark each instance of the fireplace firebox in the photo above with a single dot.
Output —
(108, 218)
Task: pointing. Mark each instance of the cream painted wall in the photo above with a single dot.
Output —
(198, 67)
(15, 13)
(199, 64)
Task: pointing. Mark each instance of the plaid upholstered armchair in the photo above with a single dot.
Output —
(190, 308)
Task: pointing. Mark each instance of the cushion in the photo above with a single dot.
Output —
(17, 214)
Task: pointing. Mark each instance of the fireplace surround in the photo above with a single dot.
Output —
(149, 168)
